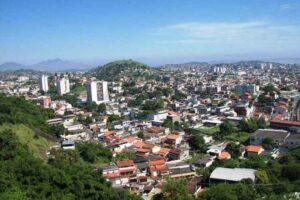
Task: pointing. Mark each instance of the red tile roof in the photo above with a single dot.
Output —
(142, 150)
(138, 144)
(125, 163)
(172, 136)
(252, 148)
(224, 155)
(157, 162)
(286, 122)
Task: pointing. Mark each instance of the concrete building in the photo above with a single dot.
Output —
(44, 83)
(97, 91)
(63, 85)
(241, 89)
(218, 69)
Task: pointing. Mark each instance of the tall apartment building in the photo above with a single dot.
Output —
(241, 89)
(63, 85)
(220, 70)
(44, 83)
(97, 91)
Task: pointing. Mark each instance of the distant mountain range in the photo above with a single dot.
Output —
(278, 60)
(59, 65)
(11, 66)
(50, 65)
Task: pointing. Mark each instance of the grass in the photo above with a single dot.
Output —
(209, 130)
(37, 145)
(241, 137)
(77, 90)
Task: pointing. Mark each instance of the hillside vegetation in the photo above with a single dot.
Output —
(16, 110)
(65, 176)
(27, 173)
(37, 145)
(115, 70)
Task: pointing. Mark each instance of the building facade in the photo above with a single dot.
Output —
(44, 83)
(241, 89)
(63, 86)
(97, 91)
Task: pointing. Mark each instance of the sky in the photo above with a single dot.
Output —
(152, 31)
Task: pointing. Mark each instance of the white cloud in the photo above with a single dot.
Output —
(247, 34)
(290, 6)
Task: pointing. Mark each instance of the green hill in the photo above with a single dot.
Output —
(64, 176)
(115, 70)
(37, 145)
(16, 110)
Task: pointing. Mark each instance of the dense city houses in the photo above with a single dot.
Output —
(198, 122)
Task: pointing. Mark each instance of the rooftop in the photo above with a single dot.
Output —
(235, 174)
(125, 163)
(271, 133)
(253, 148)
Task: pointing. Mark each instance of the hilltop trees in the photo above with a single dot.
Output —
(112, 71)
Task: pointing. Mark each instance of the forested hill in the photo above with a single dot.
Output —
(16, 110)
(23, 176)
(115, 70)
(26, 174)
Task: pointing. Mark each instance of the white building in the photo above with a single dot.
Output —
(22, 79)
(63, 86)
(221, 70)
(97, 91)
(44, 83)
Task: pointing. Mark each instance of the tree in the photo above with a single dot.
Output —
(168, 123)
(174, 190)
(140, 134)
(245, 191)
(197, 142)
(250, 125)
(219, 192)
(262, 176)
(254, 161)
(261, 123)
(65, 176)
(226, 128)
(240, 191)
(124, 156)
(92, 153)
(268, 143)
(57, 130)
(291, 171)
(91, 106)
(204, 173)
(101, 108)
(178, 96)
(234, 150)
(153, 105)
(113, 118)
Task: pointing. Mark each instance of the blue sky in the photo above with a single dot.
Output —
(156, 31)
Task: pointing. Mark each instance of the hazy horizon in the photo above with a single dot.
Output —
(156, 32)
